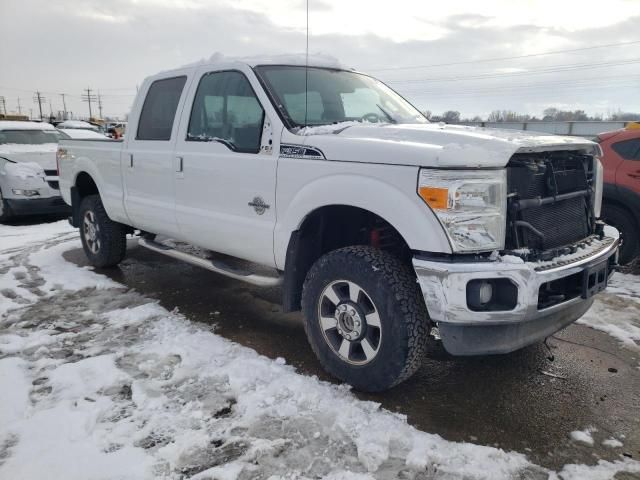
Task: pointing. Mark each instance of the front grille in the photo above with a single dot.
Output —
(550, 200)
(54, 185)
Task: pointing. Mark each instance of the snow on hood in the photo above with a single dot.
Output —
(24, 170)
(43, 155)
(432, 144)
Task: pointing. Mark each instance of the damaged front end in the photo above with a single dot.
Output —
(557, 256)
(552, 204)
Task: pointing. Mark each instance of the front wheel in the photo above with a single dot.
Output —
(365, 317)
(103, 240)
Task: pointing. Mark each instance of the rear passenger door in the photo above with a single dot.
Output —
(147, 162)
(226, 178)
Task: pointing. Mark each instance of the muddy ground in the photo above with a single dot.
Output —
(528, 401)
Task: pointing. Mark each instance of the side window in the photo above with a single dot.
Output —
(226, 109)
(628, 149)
(159, 109)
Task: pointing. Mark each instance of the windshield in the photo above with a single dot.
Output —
(29, 137)
(334, 96)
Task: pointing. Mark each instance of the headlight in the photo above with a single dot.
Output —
(470, 204)
(598, 177)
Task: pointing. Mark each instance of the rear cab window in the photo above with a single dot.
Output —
(159, 109)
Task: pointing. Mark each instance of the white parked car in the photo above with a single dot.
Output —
(381, 227)
(81, 134)
(28, 172)
(76, 125)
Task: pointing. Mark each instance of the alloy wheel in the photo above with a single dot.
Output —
(350, 322)
(91, 232)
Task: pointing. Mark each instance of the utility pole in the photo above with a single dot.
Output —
(38, 98)
(64, 107)
(50, 109)
(3, 104)
(19, 107)
(89, 97)
(100, 104)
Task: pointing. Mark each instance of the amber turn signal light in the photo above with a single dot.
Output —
(435, 197)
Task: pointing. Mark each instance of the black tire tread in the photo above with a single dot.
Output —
(404, 290)
(113, 235)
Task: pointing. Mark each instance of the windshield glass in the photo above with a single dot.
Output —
(334, 96)
(29, 137)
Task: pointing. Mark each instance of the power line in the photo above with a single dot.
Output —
(553, 69)
(515, 57)
(609, 81)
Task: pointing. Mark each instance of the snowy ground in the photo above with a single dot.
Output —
(98, 382)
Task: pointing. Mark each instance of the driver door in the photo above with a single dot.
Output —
(226, 168)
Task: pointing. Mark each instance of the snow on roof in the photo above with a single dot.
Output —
(17, 125)
(314, 60)
(81, 133)
(76, 124)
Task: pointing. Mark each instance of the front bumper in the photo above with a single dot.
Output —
(468, 332)
(37, 206)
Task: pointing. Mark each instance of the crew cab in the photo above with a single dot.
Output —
(387, 231)
(621, 194)
(28, 174)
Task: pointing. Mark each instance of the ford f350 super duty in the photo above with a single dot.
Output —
(384, 229)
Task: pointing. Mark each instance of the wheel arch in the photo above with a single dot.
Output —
(329, 228)
(83, 185)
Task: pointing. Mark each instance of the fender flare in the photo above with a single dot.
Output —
(405, 211)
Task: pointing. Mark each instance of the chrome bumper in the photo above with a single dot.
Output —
(468, 332)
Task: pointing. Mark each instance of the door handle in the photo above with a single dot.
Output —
(634, 175)
(179, 164)
(131, 160)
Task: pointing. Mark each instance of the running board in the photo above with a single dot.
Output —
(212, 265)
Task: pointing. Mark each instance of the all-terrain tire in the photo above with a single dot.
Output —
(623, 220)
(404, 324)
(5, 212)
(105, 245)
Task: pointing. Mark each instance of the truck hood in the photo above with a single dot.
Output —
(44, 155)
(431, 145)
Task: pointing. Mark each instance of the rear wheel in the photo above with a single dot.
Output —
(365, 317)
(5, 212)
(103, 240)
(623, 220)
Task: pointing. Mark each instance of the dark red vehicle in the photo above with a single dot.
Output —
(621, 199)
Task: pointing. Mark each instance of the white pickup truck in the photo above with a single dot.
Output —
(383, 228)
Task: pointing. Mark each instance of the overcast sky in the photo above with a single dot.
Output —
(64, 46)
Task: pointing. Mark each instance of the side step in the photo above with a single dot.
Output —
(213, 265)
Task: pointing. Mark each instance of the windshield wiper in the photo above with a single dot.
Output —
(390, 119)
(203, 138)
